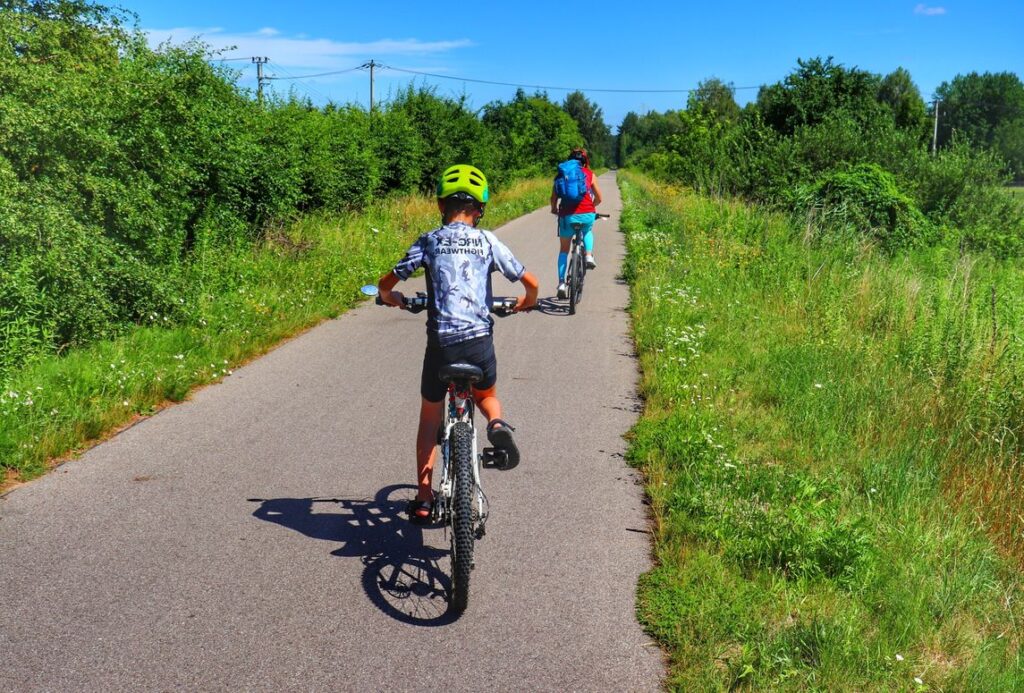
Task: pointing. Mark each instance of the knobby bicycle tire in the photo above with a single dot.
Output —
(576, 279)
(462, 514)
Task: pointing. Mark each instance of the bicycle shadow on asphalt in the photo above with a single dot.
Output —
(552, 306)
(402, 577)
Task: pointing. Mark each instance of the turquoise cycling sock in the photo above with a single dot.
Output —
(563, 260)
(588, 241)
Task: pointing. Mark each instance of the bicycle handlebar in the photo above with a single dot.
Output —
(501, 306)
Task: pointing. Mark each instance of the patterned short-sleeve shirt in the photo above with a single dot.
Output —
(458, 260)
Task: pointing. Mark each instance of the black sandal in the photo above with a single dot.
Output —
(420, 512)
(500, 437)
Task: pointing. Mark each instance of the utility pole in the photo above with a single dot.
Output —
(935, 132)
(371, 65)
(260, 79)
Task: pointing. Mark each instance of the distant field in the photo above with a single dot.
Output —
(1016, 190)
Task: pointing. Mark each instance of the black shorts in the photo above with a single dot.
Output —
(478, 352)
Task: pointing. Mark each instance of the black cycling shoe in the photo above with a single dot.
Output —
(501, 438)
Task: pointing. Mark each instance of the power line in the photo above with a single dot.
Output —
(541, 86)
(307, 87)
(502, 84)
(320, 74)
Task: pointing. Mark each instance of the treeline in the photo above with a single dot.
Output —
(120, 165)
(850, 149)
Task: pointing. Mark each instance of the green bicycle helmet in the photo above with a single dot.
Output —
(463, 178)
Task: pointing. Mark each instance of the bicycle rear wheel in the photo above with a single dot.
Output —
(462, 514)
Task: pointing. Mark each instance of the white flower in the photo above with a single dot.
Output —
(125, 403)
(818, 385)
(374, 230)
(918, 681)
(899, 657)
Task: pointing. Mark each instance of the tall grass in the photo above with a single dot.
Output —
(249, 301)
(830, 441)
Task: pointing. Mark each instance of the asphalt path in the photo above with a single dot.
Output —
(252, 538)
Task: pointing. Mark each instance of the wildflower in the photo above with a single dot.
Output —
(179, 357)
(899, 657)
(818, 385)
(918, 681)
(375, 230)
(125, 403)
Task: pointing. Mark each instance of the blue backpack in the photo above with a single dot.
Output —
(570, 182)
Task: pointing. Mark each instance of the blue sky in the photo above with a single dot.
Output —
(604, 45)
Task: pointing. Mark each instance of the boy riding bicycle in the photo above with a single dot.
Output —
(458, 259)
(583, 211)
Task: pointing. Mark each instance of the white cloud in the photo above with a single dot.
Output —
(921, 8)
(301, 51)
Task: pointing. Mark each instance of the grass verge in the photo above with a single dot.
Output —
(249, 301)
(830, 444)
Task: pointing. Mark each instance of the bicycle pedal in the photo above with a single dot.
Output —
(493, 457)
(480, 532)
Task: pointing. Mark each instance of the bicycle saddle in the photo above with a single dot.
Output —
(460, 371)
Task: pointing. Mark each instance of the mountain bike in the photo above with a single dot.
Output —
(459, 500)
(576, 268)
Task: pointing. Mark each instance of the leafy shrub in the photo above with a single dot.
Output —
(121, 167)
(865, 198)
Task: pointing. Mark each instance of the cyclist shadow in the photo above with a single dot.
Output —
(403, 577)
(552, 306)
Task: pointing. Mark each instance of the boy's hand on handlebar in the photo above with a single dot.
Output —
(394, 299)
(524, 303)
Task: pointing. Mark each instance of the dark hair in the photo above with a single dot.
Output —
(460, 202)
(580, 154)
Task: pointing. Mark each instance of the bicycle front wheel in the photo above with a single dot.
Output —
(462, 514)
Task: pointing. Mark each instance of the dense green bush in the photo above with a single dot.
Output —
(866, 200)
(120, 166)
(804, 136)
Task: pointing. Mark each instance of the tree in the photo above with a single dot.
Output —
(714, 98)
(597, 137)
(533, 133)
(900, 94)
(815, 90)
(983, 108)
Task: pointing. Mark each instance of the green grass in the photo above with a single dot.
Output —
(250, 300)
(831, 443)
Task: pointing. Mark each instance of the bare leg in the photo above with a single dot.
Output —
(488, 402)
(426, 446)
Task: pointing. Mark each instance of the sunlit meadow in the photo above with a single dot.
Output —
(831, 447)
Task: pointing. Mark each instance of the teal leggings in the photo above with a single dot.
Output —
(565, 230)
